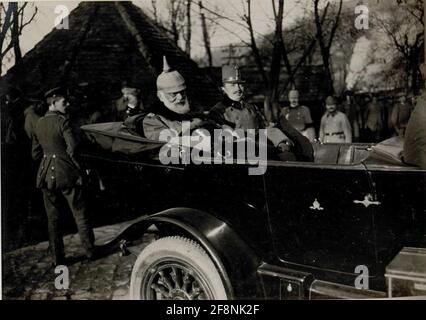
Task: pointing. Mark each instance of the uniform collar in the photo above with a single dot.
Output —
(231, 103)
(332, 115)
(295, 108)
(57, 113)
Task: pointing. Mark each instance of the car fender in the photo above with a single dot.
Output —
(235, 260)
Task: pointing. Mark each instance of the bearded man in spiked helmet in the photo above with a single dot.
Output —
(174, 107)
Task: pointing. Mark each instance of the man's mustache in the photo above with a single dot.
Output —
(179, 101)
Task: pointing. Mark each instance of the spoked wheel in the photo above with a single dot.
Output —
(175, 268)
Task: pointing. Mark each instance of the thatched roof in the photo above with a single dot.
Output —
(107, 43)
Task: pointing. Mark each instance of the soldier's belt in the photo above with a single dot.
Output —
(335, 133)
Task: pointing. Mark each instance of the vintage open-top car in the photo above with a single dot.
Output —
(302, 230)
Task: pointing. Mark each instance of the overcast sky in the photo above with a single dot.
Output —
(45, 19)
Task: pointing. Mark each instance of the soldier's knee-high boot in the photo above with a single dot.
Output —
(77, 204)
(52, 204)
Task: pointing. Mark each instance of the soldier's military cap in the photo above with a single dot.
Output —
(35, 96)
(56, 92)
(330, 101)
(130, 87)
(130, 90)
(293, 94)
(231, 74)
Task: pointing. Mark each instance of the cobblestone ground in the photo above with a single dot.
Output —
(27, 272)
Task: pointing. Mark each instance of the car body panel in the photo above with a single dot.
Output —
(290, 218)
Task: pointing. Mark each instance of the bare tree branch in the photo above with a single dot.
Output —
(29, 21)
(12, 29)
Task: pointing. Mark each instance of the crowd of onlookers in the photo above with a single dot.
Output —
(353, 118)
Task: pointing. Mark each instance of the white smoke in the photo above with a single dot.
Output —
(359, 62)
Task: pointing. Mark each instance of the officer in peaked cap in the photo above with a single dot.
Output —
(60, 175)
(233, 112)
(173, 107)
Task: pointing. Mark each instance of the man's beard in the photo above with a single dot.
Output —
(177, 107)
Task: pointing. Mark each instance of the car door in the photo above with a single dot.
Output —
(322, 215)
(128, 187)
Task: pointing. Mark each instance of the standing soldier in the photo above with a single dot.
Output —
(352, 111)
(400, 115)
(15, 157)
(60, 175)
(335, 126)
(32, 114)
(299, 116)
(120, 108)
(129, 104)
(373, 121)
(234, 112)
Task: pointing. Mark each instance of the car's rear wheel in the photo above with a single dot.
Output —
(175, 268)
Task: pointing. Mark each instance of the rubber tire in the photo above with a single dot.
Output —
(181, 248)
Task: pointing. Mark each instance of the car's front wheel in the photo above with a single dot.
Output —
(175, 268)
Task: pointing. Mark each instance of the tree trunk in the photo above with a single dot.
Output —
(5, 28)
(15, 34)
(326, 47)
(424, 46)
(206, 36)
(175, 32)
(274, 74)
(154, 9)
(254, 48)
(188, 27)
(173, 17)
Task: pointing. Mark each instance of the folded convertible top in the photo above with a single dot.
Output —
(115, 137)
(389, 151)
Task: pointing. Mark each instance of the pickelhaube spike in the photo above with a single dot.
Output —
(166, 67)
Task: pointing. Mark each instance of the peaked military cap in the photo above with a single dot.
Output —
(330, 101)
(231, 74)
(56, 92)
(293, 94)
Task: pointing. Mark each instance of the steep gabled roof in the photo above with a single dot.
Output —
(107, 43)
